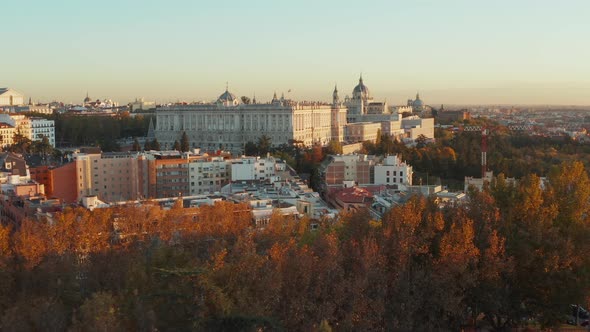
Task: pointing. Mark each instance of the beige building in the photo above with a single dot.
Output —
(10, 97)
(208, 174)
(362, 131)
(229, 124)
(338, 169)
(112, 176)
(6, 134)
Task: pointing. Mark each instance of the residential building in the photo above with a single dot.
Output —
(253, 168)
(338, 169)
(40, 128)
(208, 174)
(113, 176)
(394, 172)
(6, 134)
(169, 175)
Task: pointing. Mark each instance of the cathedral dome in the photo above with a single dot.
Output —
(227, 97)
(418, 102)
(361, 91)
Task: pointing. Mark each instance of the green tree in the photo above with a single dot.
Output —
(156, 145)
(421, 141)
(99, 313)
(136, 146)
(334, 147)
(264, 145)
(184, 143)
(176, 146)
(250, 149)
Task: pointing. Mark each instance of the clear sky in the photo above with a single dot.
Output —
(452, 51)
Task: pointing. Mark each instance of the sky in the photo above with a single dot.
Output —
(452, 51)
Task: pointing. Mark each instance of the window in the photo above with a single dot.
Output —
(401, 174)
(387, 173)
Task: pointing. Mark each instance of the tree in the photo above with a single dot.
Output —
(245, 100)
(420, 141)
(264, 144)
(184, 143)
(334, 147)
(99, 313)
(250, 149)
(136, 146)
(156, 145)
(176, 146)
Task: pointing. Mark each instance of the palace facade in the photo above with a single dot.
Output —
(229, 124)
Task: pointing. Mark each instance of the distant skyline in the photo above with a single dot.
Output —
(452, 52)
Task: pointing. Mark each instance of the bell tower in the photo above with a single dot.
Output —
(335, 98)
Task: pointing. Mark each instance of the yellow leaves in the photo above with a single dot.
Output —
(31, 243)
(5, 248)
(219, 260)
(457, 245)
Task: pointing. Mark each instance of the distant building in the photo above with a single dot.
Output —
(141, 105)
(10, 97)
(445, 116)
(229, 124)
(40, 128)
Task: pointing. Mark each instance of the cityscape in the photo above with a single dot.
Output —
(232, 183)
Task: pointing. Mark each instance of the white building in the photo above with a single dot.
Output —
(393, 171)
(229, 124)
(208, 175)
(141, 105)
(253, 168)
(43, 128)
(10, 97)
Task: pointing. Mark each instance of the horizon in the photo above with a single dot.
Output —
(453, 53)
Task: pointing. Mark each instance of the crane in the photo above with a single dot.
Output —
(485, 132)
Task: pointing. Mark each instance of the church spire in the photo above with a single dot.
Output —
(254, 99)
(417, 95)
(335, 98)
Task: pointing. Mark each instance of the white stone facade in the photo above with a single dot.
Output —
(43, 128)
(9, 97)
(393, 172)
(231, 126)
(253, 168)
